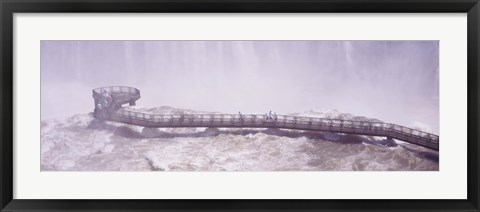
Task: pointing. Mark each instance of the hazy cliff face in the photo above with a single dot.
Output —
(396, 81)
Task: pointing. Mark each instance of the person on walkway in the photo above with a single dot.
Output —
(106, 98)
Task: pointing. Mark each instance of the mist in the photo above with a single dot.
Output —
(394, 81)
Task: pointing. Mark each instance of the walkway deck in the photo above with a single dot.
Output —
(128, 95)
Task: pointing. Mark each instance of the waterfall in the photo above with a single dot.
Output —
(395, 81)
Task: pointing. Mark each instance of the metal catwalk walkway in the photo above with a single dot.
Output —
(121, 95)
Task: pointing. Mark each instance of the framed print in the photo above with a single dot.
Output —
(264, 105)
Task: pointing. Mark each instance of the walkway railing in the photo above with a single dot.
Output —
(260, 121)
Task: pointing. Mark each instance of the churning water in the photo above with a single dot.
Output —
(82, 143)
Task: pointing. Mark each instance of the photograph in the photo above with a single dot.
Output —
(239, 105)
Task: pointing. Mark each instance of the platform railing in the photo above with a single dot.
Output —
(116, 89)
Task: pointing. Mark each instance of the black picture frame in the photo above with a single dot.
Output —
(9, 7)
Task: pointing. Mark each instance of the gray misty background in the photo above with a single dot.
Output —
(394, 81)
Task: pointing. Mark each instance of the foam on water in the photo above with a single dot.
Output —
(81, 143)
